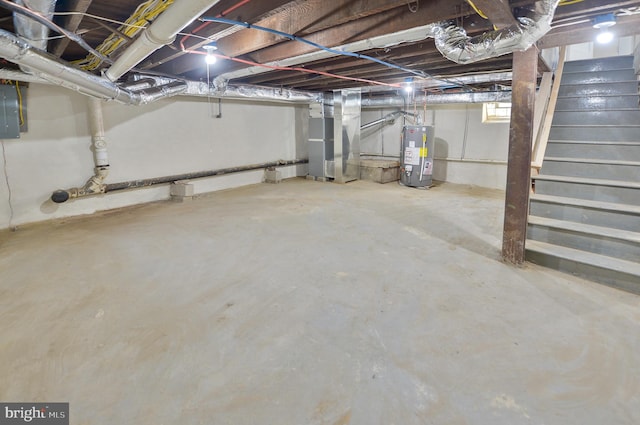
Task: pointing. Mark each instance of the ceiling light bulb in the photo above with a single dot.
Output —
(210, 59)
(605, 37)
(408, 88)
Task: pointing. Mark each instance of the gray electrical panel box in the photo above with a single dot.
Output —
(416, 168)
(9, 113)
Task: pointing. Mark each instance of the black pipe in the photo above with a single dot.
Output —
(132, 184)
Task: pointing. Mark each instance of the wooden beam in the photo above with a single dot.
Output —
(70, 23)
(519, 165)
(497, 11)
(308, 17)
(379, 24)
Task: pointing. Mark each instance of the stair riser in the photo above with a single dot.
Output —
(597, 118)
(598, 76)
(603, 134)
(592, 216)
(597, 103)
(604, 64)
(616, 248)
(596, 171)
(613, 278)
(593, 151)
(595, 89)
(618, 195)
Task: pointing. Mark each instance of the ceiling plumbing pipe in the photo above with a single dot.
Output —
(62, 195)
(160, 33)
(47, 67)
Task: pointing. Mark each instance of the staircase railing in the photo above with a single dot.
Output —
(545, 108)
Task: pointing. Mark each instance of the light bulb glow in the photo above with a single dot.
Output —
(210, 59)
(604, 37)
(408, 88)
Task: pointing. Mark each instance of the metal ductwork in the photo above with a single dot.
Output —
(454, 44)
(53, 70)
(433, 99)
(35, 33)
(160, 33)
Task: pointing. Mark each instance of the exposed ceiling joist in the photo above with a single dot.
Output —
(70, 23)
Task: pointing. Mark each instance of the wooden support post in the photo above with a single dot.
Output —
(525, 66)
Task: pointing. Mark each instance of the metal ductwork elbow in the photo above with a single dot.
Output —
(454, 43)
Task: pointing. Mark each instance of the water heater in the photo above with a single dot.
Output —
(416, 157)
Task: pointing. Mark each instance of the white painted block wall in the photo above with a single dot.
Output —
(172, 136)
(466, 150)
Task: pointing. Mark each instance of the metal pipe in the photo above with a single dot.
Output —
(133, 184)
(387, 118)
(60, 196)
(160, 33)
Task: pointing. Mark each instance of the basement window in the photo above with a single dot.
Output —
(496, 112)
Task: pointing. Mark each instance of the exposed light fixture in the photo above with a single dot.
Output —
(603, 23)
(408, 85)
(210, 58)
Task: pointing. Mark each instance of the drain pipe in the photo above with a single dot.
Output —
(95, 185)
(160, 33)
(60, 196)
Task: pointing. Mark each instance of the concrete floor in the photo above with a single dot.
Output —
(309, 303)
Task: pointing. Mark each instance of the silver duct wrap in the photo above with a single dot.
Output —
(433, 99)
(49, 68)
(454, 43)
(31, 30)
(195, 88)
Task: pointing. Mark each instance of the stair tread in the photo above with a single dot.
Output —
(593, 161)
(597, 125)
(608, 232)
(610, 206)
(593, 142)
(599, 110)
(584, 257)
(588, 180)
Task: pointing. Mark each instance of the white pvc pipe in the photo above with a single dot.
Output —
(96, 123)
(160, 33)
